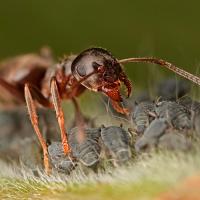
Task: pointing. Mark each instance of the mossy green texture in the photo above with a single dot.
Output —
(145, 178)
(18, 189)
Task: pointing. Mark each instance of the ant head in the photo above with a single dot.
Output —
(104, 73)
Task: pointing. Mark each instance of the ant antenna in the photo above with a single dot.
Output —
(165, 64)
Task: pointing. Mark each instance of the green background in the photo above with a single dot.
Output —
(166, 29)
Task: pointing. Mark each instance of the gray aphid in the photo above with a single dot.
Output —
(141, 115)
(117, 141)
(88, 151)
(194, 108)
(174, 113)
(174, 141)
(151, 134)
(59, 160)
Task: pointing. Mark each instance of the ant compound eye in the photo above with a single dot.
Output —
(81, 70)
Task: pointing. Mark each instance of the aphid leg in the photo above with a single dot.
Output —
(118, 108)
(13, 90)
(80, 122)
(133, 135)
(60, 115)
(165, 64)
(152, 114)
(34, 120)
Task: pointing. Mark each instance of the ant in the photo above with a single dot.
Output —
(45, 83)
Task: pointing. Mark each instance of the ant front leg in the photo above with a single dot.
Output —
(34, 120)
(59, 114)
(118, 108)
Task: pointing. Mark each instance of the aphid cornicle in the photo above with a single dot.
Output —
(95, 69)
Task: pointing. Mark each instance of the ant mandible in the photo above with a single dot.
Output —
(95, 69)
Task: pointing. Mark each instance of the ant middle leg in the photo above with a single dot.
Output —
(80, 121)
(60, 115)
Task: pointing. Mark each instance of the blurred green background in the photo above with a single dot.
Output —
(166, 29)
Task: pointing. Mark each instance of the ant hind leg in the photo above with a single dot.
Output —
(34, 120)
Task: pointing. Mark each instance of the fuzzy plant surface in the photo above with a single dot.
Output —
(147, 178)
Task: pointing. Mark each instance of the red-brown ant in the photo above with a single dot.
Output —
(95, 69)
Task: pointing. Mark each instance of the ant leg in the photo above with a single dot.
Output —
(60, 115)
(12, 89)
(37, 95)
(80, 122)
(34, 120)
(163, 63)
(118, 108)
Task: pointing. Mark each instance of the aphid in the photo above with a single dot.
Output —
(174, 113)
(189, 103)
(117, 141)
(151, 135)
(59, 160)
(174, 141)
(95, 69)
(172, 89)
(141, 115)
(193, 107)
(87, 151)
(196, 123)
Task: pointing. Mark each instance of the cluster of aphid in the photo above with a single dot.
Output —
(114, 141)
(169, 122)
(39, 80)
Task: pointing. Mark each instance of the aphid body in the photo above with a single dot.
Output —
(174, 113)
(151, 135)
(59, 160)
(117, 141)
(141, 115)
(88, 151)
